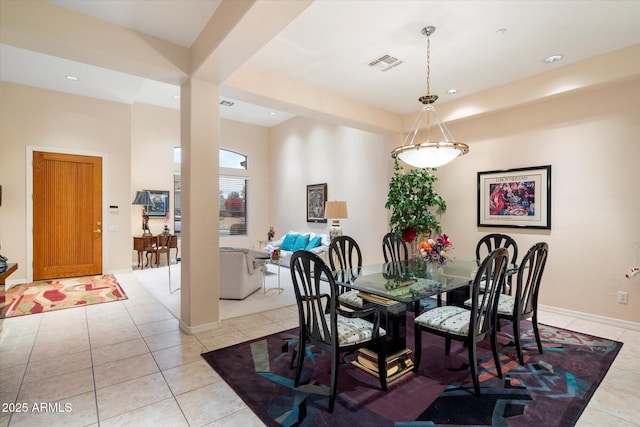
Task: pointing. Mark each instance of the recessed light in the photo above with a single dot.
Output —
(272, 113)
(72, 78)
(452, 91)
(553, 58)
(501, 31)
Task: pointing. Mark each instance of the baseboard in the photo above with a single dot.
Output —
(192, 330)
(634, 326)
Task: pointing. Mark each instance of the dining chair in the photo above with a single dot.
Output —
(324, 324)
(524, 302)
(469, 325)
(394, 248)
(493, 241)
(160, 244)
(345, 256)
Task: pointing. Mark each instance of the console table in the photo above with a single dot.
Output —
(143, 244)
(11, 267)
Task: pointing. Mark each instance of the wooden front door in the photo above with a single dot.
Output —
(67, 215)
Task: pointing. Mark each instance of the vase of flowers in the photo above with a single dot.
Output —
(166, 222)
(435, 253)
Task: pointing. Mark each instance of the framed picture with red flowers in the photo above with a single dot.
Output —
(515, 198)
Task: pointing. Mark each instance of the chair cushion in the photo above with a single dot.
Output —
(505, 304)
(354, 330)
(506, 288)
(288, 242)
(301, 242)
(451, 319)
(351, 298)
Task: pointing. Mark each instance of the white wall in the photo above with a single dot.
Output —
(590, 139)
(353, 163)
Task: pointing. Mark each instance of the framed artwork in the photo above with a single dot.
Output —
(160, 204)
(515, 198)
(316, 197)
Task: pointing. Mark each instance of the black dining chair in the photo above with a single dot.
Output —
(394, 249)
(345, 258)
(324, 324)
(493, 241)
(524, 302)
(469, 325)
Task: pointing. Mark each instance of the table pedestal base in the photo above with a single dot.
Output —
(397, 364)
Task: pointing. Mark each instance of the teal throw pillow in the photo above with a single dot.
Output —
(313, 243)
(288, 242)
(301, 242)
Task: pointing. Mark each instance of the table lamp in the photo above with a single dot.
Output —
(335, 211)
(143, 198)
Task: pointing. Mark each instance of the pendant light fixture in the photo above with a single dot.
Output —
(426, 153)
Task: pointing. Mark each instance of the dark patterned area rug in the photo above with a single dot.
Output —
(551, 389)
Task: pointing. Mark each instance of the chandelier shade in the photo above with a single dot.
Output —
(427, 153)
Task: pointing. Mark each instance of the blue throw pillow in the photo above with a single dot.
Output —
(301, 242)
(313, 243)
(288, 242)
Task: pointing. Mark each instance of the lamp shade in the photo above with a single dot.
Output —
(142, 198)
(335, 210)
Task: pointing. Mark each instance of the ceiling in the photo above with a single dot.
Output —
(477, 45)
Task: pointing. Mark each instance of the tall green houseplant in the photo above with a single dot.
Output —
(412, 199)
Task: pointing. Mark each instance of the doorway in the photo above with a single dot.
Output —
(67, 215)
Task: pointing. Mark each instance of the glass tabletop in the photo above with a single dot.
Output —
(410, 281)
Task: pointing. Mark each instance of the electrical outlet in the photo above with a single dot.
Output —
(622, 297)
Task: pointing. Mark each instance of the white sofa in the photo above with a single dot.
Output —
(285, 252)
(241, 272)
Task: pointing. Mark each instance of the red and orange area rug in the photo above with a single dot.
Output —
(49, 295)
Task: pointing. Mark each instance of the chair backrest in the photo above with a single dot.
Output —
(394, 248)
(484, 305)
(163, 241)
(316, 295)
(528, 282)
(493, 241)
(345, 255)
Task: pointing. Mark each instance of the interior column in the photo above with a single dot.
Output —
(200, 140)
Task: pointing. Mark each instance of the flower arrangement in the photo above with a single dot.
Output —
(436, 251)
(166, 221)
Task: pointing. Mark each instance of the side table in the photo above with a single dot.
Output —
(264, 278)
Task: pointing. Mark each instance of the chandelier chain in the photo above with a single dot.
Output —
(428, 65)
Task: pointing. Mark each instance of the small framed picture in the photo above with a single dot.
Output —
(515, 198)
(160, 204)
(316, 197)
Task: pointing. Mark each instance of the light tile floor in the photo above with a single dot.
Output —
(127, 363)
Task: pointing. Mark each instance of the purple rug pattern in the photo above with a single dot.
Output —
(550, 389)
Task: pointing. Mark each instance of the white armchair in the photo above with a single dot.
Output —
(241, 272)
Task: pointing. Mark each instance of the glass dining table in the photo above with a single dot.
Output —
(392, 287)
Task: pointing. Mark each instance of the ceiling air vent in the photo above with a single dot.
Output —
(226, 103)
(385, 62)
